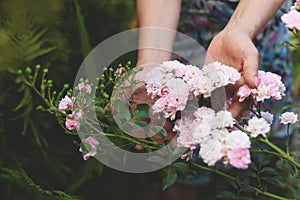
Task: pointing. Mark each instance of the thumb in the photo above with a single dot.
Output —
(250, 70)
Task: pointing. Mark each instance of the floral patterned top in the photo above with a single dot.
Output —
(203, 19)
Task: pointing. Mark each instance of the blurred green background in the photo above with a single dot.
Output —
(37, 159)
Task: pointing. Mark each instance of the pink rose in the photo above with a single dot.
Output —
(92, 142)
(239, 158)
(87, 87)
(119, 70)
(72, 124)
(292, 19)
(244, 92)
(65, 103)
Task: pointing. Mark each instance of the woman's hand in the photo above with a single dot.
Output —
(237, 50)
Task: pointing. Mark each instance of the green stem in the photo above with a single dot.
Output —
(265, 151)
(213, 170)
(288, 140)
(281, 152)
(267, 194)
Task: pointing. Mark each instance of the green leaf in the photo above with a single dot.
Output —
(170, 177)
(160, 131)
(269, 170)
(179, 151)
(158, 159)
(99, 110)
(226, 195)
(122, 110)
(143, 114)
(144, 107)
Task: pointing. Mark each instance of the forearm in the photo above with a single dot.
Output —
(251, 15)
(156, 44)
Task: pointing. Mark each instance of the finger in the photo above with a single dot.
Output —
(250, 70)
(231, 89)
(237, 107)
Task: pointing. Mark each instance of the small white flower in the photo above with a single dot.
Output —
(237, 139)
(258, 126)
(223, 119)
(201, 133)
(288, 118)
(211, 151)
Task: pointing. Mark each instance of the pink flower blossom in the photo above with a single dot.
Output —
(119, 70)
(292, 19)
(244, 92)
(269, 85)
(239, 158)
(204, 115)
(92, 142)
(85, 86)
(72, 124)
(65, 103)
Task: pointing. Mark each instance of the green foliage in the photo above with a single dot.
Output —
(19, 178)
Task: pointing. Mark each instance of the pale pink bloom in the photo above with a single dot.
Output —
(223, 119)
(237, 139)
(81, 86)
(72, 124)
(244, 92)
(77, 115)
(160, 105)
(65, 103)
(204, 115)
(170, 104)
(178, 86)
(292, 19)
(180, 72)
(92, 142)
(87, 87)
(258, 126)
(267, 116)
(211, 151)
(288, 118)
(186, 139)
(119, 70)
(154, 89)
(185, 128)
(173, 65)
(269, 85)
(239, 158)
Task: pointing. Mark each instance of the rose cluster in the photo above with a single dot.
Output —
(172, 84)
(268, 85)
(216, 135)
(74, 117)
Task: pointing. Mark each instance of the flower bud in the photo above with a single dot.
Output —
(28, 70)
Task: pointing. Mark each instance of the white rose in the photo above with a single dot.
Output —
(237, 139)
(288, 118)
(258, 126)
